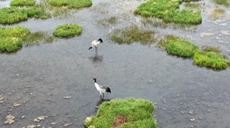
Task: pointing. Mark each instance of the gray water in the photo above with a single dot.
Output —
(53, 81)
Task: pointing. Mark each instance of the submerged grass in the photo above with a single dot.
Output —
(107, 21)
(132, 34)
(128, 113)
(217, 13)
(37, 38)
(168, 10)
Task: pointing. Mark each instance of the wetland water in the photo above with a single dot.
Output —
(50, 85)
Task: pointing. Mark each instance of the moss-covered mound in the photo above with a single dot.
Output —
(128, 113)
(11, 38)
(210, 59)
(22, 3)
(67, 30)
(168, 10)
(131, 34)
(12, 15)
(181, 48)
(71, 3)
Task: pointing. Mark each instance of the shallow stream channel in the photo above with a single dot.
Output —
(50, 84)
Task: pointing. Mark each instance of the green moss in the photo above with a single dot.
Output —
(12, 15)
(181, 48)
(168, 10)
(71, 3)
(128, 113)
(67, 30)
(211, 59)
(11, 38)
(22, 3)
(132, 34)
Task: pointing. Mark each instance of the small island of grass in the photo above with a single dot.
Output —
(22, 3)
(67, 30)
(211, 59)
(128, 113)
(168, 10)
(11, 38)
(71, 3)
(181, 47)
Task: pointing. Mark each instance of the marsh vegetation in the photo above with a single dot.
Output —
(123, 113)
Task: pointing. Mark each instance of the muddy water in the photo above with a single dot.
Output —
(50, 85)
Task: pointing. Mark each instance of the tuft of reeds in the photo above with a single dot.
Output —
(67, 30)
(22, 3)
(132, 34)
(210, 59)
(127, 113)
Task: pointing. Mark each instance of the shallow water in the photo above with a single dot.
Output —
(54, 80)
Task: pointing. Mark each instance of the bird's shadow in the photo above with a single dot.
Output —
(100, 102)
(96, 58)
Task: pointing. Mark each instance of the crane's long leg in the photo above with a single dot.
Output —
(96, 50)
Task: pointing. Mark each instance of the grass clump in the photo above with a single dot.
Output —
(210, 59)
(67, 30)
(71, 3)
(12, 15)
(22, 3)
(132, 34)
(168, 10)
(181, 47)
(128, 113)
(11, 38)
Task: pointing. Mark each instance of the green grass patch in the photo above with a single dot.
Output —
(11, 38)
(71, 3)
(67, 30)
(222, 2)
(181, 48)
(22, 3)
(168, 10)
(12, 15)
(210, 59)
(128, 113)
(132, 34)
